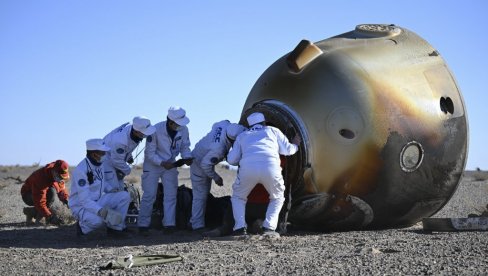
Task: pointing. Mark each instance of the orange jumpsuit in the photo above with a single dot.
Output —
(38, 184)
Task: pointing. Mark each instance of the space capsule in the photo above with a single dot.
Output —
(383, 126)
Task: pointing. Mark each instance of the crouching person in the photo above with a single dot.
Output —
(40, 190)
(208, 152)
(95, 200)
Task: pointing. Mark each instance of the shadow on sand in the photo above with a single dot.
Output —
(63, 237)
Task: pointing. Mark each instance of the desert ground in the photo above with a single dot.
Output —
(56, 250)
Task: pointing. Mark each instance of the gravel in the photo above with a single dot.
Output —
(50, 250)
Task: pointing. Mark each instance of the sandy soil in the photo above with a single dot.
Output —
(52, 250)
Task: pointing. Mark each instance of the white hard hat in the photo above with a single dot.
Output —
(178, 115)
(96, 144)
(143, 124)
(255, 118)
(233, 130)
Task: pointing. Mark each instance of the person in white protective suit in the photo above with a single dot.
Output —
(208, 152)
(170, 140)
(94, 200)
(122, 141)
(257, 152)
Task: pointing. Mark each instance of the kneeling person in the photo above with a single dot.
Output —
(95, 200)
(40, 189)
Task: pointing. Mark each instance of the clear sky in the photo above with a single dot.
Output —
(74, 70)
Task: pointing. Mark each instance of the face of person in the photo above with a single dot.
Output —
(174, 126)
(98, 155)
(57, 177)
(138, 134)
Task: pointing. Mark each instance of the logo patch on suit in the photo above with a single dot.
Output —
(81, 182)
(120, 150)
(218, 133)
(149, 138)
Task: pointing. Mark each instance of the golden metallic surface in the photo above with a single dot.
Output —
(304, 53)
(359, 100)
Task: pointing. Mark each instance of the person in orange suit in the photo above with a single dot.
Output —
(41, 187)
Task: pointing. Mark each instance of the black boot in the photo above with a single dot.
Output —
(30, 215)
(79, 233)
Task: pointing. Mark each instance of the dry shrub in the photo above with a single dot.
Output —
(8, 169)
(481, 212)
(63, 212)
(484, 212)
(480, 175)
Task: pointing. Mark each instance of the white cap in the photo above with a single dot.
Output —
(178, 115)
(143, 124)
(96, 144)
(233, 130)
(255, 118)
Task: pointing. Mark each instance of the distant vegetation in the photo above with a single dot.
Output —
(480, 175)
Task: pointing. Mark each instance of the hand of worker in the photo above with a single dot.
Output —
(179, 163)
(188, 161)
(103, 212)
(296, 140)
(167, 165)
(120, 174)
(219, 181)
(63, 197)
(53, 219)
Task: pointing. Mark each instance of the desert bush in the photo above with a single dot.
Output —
(7, 169)
(480, 212)
(480, 175)
(63, 212)
(17, 179)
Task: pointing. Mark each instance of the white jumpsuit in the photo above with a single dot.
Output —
(86, 198)
(208, 152)
(257, 152)
(160, 147)
(121, 148)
